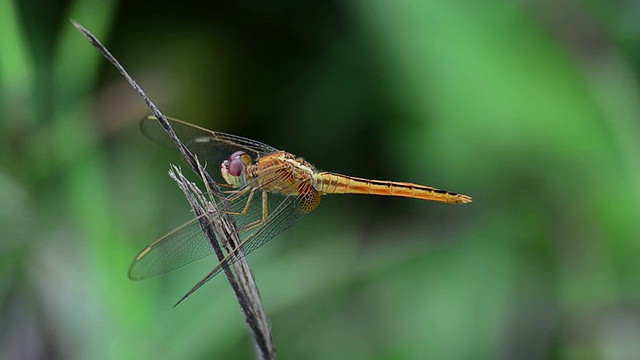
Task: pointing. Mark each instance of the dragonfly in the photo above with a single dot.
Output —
(266, 191)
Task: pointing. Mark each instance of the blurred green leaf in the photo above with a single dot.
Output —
(531, 108)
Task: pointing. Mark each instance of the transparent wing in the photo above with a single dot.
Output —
(211, 147)
(259, 215)
(177, 248)
(252, 209)
(289, 211)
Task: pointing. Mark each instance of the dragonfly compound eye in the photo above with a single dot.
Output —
(236, 167)
(236, 155)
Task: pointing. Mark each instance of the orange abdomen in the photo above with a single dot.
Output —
(330, 183)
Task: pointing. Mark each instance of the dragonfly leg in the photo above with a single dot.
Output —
(265, 214)
(236, 193)
(246, 205)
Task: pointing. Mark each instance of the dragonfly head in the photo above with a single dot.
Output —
(233, 169)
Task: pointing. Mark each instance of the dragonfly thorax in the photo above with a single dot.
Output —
(234, 169)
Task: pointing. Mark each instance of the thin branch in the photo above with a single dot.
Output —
(250, 295)
(216, 224)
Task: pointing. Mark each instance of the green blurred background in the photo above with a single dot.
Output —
(531, 107)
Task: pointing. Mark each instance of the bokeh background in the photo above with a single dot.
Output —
(531, 107)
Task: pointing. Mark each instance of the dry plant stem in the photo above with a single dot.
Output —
(243, 271)
(213, 226)
(216, 223)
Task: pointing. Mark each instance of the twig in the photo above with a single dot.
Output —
(215, 224)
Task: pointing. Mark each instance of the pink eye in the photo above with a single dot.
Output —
(236, 167)
(236, 155)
